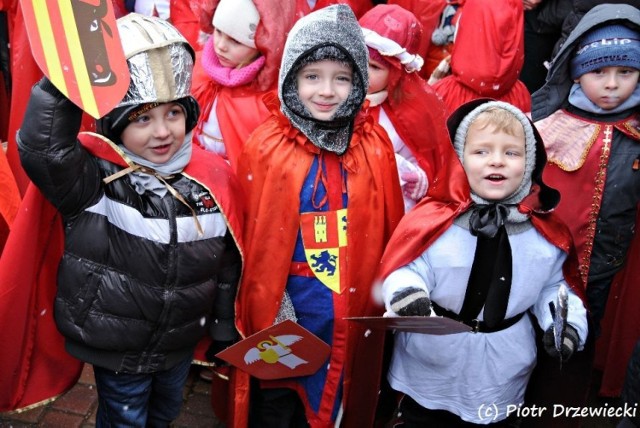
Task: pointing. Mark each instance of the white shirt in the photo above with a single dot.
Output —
(405, 160)
(211, 136)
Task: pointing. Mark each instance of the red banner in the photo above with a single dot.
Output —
(76, 45)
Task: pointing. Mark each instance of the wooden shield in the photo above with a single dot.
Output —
(281, 351)
(76, 45)
(425, 325)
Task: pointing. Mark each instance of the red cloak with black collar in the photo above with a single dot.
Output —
(34, 366)
(448, 197)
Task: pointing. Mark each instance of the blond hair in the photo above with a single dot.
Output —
(501, 120)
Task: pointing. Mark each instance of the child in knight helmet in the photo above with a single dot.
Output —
(403, 104)
(318, 157)
(151, 232)
(237, 66)
(482, 248)
(588, 114)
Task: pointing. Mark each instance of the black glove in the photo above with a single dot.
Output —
(569, 344)
(215, 347)
(412, 301)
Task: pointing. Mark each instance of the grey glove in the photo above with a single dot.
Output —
(569, 344)
(412, 301)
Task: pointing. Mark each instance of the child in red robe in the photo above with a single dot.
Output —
(587, 113)
(487, 56)
(322, 199)
(236, 67)
(400, 100)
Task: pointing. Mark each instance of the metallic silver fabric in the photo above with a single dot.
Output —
(160, 60)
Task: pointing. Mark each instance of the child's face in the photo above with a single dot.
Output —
(494, 161)
(378, 76)
(232, 53)
(608, 87)
(323, 86)
(157, 134)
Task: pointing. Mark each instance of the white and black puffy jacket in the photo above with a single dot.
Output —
(137, 286)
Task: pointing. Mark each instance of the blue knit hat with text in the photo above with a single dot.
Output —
(608, 46)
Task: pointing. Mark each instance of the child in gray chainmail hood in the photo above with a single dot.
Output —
(323, 197)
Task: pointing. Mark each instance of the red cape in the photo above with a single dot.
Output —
(359, 7)
(272, 169)
(9, 198)
(25, 73)
(487, 56)
(239, 110)
(421, 226)
(34, 367)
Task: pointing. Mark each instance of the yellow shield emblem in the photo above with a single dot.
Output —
(324, 236)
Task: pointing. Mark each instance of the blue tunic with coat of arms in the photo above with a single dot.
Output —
(312, 299)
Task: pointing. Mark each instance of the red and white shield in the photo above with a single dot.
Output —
(281, 351)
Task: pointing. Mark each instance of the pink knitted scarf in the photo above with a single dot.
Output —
(228, 76)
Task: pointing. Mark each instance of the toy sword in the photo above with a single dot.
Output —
(559, 313)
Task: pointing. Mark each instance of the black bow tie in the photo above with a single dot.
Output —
(486, 219)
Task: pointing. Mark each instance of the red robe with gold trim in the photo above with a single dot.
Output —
(272, 168)
(34, 367)
(579, 171)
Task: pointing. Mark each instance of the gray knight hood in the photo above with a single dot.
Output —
(329, 33)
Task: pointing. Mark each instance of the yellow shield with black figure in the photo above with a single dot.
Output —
(324, 236)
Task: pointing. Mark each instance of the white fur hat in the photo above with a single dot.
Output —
(238, 19)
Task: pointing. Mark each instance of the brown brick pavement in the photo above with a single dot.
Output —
(77, 407)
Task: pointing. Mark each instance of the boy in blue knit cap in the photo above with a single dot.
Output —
(588, 115)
